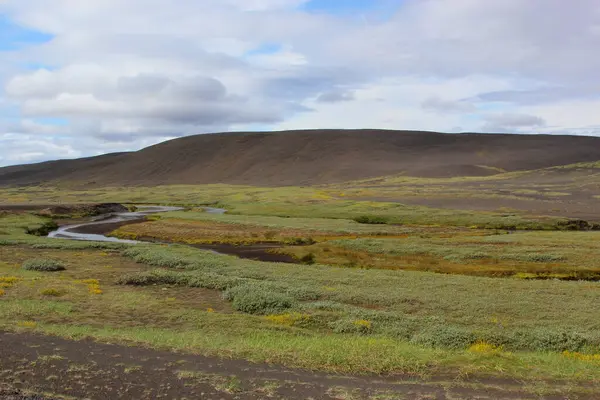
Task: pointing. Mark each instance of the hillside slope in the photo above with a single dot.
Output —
(311, 157)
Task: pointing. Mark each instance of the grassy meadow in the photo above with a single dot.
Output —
(380, 287)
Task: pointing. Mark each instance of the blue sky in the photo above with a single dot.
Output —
(340, 7)
(14, 37)
(72, 84)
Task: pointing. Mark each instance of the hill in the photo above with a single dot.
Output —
(311, 157)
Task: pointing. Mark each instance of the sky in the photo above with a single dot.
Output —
(82, 78)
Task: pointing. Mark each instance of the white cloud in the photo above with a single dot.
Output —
(437, 104)
(511, 122)
(125, 73)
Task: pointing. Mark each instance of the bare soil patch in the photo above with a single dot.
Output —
(52, 366)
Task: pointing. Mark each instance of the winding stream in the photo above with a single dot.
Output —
(78, 231)
(95, 231)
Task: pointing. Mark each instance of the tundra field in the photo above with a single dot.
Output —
(386, 300)
(380, 299)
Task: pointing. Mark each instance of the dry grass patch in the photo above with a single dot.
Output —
(209, 232)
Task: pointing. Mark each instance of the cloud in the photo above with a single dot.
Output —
(19, 149)
(144, 100)
(509, 122)
(125, 73)
(335, 96)
(435, 104)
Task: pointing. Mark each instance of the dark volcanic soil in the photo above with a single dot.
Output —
(311, 157)
(85, 369)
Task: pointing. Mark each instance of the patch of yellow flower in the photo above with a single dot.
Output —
(27, 324)
(485, 348)
(321, 196)
(210, 310)
(8, 281)
(288, 319)
(94, 289)
(582, 357)
(93, 285)
(363, 323)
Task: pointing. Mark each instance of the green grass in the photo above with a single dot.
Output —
(296, 202)
(337, 353)
(520, 314)
(353, 320)
(570, 256)
(342, 226)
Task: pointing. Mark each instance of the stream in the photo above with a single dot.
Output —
(95, 231)
(85, 230)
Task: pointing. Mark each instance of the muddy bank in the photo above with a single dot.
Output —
(104, 222)
(100, 228)
(259, 252)
(105, 228)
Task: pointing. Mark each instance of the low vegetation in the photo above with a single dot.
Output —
(371, 219)
(43, 265)
(379, 287)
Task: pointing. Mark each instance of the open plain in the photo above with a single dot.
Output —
(369, 281)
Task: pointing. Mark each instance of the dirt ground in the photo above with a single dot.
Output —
(42, 367)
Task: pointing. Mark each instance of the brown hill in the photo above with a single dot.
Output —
(312, 157)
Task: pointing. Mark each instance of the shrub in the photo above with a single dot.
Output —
(192, 279)
(575, 225)
(52, 292)
(348, 325)
(42, 230)
(327, 305)
(258, 299)
(214, 281)
(548, 340)
(155, 277)
(160, 257)
(445, 336)
(156, 257)
(371, 219)
(43, 265)
(299, 241)
(308, 259)
(533, 257)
